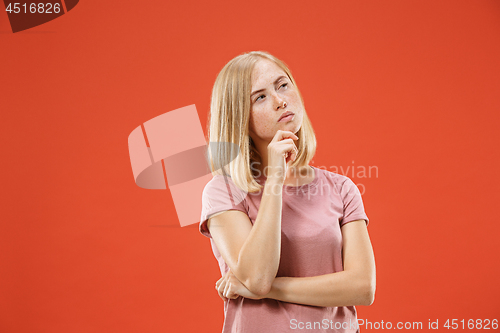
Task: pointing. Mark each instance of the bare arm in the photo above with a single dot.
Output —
(355, 285)
(252, 253)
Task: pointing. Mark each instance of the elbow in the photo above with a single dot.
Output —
(259, 287)
(259, 284)
(367, 292)
(369, 298)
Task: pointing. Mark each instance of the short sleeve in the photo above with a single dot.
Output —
(353, 204)
(220, 194)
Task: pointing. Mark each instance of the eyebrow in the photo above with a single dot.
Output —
(275, 81)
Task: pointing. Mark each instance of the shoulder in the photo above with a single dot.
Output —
(216, 182)
(219, 182)
(220, 194)
(222, 187)
(337, 181)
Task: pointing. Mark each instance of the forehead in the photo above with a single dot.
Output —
(265, 71)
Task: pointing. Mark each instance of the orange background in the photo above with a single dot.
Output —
(411, 87)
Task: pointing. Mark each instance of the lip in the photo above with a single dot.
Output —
(286, 114)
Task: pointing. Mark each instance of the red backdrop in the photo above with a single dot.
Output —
(410, 88)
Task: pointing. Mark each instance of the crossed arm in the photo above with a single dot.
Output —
(355, 285)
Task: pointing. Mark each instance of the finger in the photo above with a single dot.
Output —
(221, 296)
(284, 146)
(287, 141)
(280, 135)
(281, 146)
(285, 134)
(217, 284)
(291, 154)
(232, 288)
(226, 290)
(219, 281)
(294, 153)
(222, 285)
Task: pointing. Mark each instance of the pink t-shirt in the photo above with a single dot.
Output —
(311, 245)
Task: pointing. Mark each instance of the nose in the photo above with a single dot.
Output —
(279, 102)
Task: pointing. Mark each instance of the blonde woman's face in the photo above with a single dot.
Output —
(271, 88)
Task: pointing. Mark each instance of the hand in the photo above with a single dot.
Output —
(281, 152)
(229, 286)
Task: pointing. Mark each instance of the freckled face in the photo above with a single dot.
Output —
(274, 87)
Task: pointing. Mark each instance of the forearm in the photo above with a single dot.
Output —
(336, 289)
(260, 254)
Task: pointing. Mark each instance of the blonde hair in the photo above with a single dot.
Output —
(230, 145)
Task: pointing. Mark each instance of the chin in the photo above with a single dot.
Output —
(296, 129)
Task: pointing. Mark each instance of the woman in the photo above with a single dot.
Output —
(291, 239)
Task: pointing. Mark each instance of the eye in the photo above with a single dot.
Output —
(284, 85)
(260, 97)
